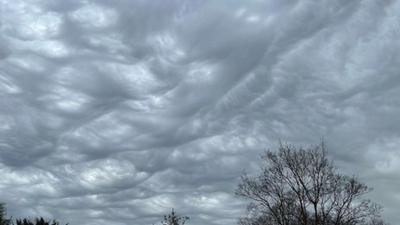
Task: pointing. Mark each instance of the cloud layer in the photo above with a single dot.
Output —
(112, 112)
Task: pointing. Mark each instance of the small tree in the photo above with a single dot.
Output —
(3, 214)
(302, 187)
(174, 219)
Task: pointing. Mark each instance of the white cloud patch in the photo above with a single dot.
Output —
(113, 112)
(94, 15)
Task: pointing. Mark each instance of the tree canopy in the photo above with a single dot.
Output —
(3, 214)
(174, 219)
(299, 186)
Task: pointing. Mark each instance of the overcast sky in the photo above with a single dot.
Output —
(113, 112)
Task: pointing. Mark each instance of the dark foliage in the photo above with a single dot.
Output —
(25, 221)
(3, 214)
(37, 221)
(174, 219)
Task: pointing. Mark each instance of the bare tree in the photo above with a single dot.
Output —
(301, 186)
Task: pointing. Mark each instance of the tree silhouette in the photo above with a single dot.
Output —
(36, 221)
(301, 187)
(3, 214)
(174, 219)
(25, 221)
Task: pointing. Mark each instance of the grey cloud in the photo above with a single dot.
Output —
(113, 112)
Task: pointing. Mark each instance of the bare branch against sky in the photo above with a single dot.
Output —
(113, 111)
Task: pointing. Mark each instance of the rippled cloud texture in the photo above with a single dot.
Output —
(113, 112)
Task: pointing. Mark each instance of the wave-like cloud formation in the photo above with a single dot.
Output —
(112, 112)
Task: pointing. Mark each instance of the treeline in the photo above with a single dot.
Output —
(170, 219)
(296, 186)
(23, 221)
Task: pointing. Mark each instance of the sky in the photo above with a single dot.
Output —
(114, 112)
